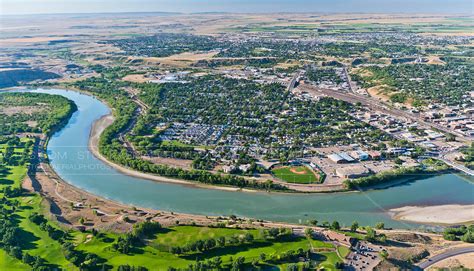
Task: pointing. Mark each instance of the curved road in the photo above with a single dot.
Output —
(445, 255)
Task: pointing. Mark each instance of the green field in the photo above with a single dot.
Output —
(154, 253)
(7, 262)
(34, 240)
(343, 251)
(295, 174)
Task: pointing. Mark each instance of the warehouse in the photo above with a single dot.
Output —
(353, 172)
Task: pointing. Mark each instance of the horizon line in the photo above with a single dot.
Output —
(467, 14)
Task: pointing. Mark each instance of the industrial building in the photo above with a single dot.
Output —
(341, 157)
(353, 172)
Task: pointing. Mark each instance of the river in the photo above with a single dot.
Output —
(72, 160)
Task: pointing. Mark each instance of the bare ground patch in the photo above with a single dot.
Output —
(136, 78)
(465, 260)
(379, 92)
(179, 60)
(178, 163)
(13, 110)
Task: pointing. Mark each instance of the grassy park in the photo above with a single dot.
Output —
(296, 174)
(156, 253)
(152, 253)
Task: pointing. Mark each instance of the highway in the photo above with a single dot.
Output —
(447, 254)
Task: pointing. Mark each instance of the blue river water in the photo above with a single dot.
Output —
(72, 160)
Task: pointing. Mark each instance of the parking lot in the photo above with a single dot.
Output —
(365, 256)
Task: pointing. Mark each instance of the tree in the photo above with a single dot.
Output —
(354, 226)
(398, 161)
(450, 137)
(308, 232)
(263, 257)
(370, 235)
(335, 226)
(221, 241)
(380, 226)
(384, 254)
(468, 237)
(273, 232)
(28, 259)
(123, 244)
(16, 252)
(449, 236)
(248, 237)
(238, 264)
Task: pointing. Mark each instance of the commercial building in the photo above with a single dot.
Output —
(360, 155)
(341, 157)
(336, 158)
(339, 237)
(374, 155)
(353, 172)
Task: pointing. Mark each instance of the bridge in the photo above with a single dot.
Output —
(457, 166)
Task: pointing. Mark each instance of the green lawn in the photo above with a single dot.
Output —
(154, 256)
(178, 236)
(9, 263)
(318, 244)
(356, 235)
(295, 174)
(329, 260)
(175, 143)
(343, 251)
(148, 256)
(33, 240)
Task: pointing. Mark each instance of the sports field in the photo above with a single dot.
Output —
(295, 174)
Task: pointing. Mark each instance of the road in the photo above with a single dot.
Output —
(348, 79)
(293, 81)
(379, 106)
(447, 254)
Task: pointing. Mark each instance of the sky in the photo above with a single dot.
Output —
(8, 7)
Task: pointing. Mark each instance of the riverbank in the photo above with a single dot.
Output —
(441, 214)
(285, 207)
(394, 177)
(69, 205)
(101, 124)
